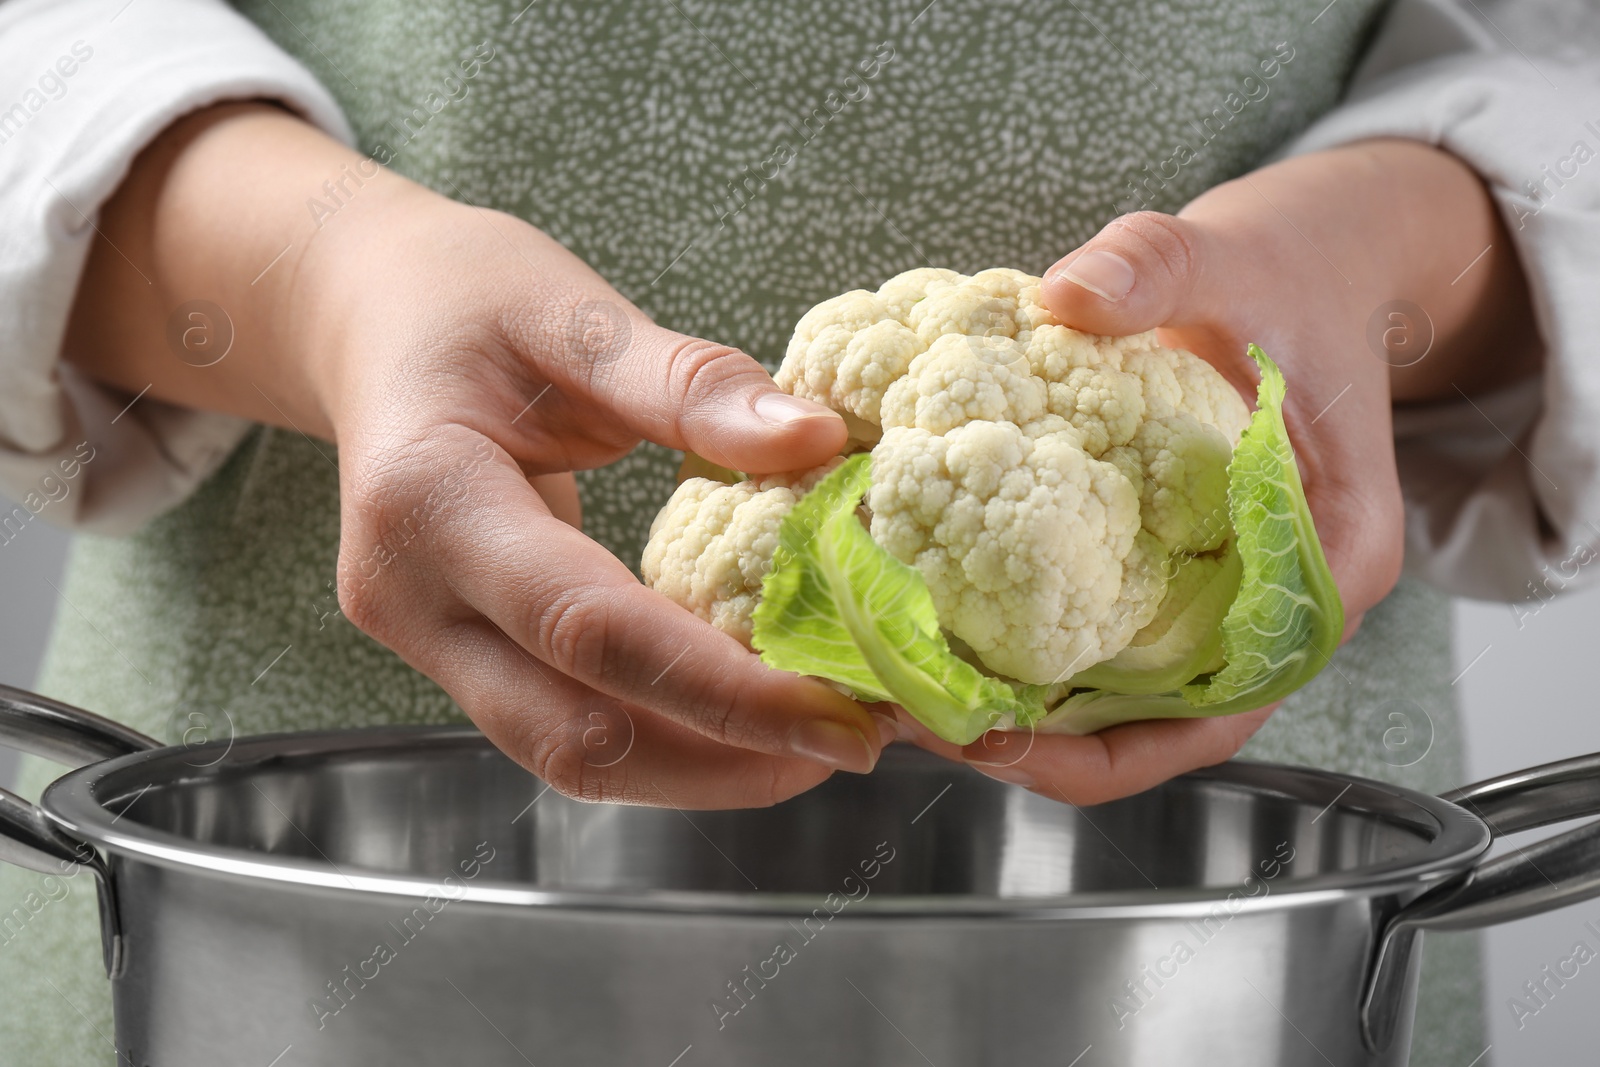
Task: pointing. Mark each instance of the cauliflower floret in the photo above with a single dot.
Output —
(872, 360)
(1027, 544)
(824, 335)
(1041, 479)
(1184, 491)
(904, 290)
(962, 379)
(713, 543)
(1087, 386)
(963, 310)
(1175, 381)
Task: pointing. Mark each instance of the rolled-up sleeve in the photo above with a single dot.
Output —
(85, 85)
(1503, 490)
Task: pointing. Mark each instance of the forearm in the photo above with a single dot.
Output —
(217, 210)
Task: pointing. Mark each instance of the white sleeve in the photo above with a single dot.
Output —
(85, 85)
(1502, 491)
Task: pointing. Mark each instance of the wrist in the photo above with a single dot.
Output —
(1404, 243)
(190, 293)
(1453, 316)
(353, 262)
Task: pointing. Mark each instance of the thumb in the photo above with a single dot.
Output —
(696, 395)
(1142, 271)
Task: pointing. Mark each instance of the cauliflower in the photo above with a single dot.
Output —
(1061, 508)
(712, 544)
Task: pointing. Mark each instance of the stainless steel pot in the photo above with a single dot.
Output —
(410, 896)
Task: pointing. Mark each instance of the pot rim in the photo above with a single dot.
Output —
(74, 801)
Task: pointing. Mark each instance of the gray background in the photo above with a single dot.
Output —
(1526, 698)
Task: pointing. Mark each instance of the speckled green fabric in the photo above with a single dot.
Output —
(986, 134)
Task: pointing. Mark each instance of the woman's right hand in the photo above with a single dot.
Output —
(454, 354)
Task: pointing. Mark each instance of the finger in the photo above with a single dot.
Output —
(1352, 623)
(911, 729)
(1142, 271)
(575, 607)
(1116, 762)
(1360, 522)
(685, 392)
(892, 720)
(588, 746)
(560, 494)
(719, 403)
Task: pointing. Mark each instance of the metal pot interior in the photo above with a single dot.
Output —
(409, 802)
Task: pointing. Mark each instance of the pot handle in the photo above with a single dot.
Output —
(62, 733)
(28, 838)
(1555, 872)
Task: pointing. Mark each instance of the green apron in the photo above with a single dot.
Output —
(726, 166)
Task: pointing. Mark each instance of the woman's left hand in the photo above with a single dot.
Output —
(1371, 274)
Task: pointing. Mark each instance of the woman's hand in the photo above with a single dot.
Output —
(454, 354)
(1307, 258)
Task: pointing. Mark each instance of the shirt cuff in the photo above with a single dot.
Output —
(85, 85)
(1503, 491)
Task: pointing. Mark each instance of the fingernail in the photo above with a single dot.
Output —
(1105, 274)
(1011, 775)
(888, 728)
(781, 409)
(832, 743)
